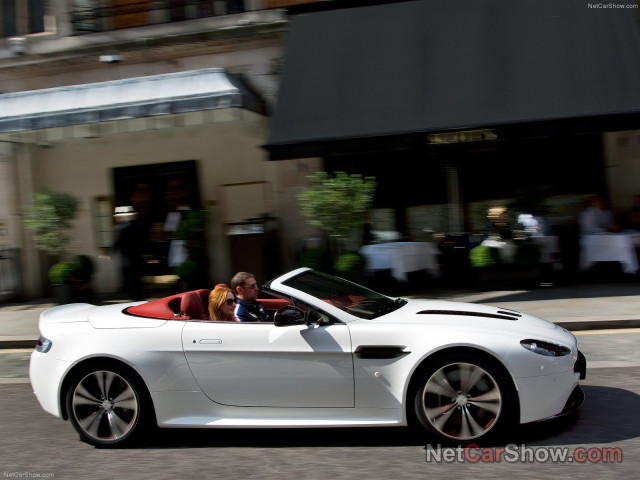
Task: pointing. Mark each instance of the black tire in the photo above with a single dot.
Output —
(108, 405)
(463, 398)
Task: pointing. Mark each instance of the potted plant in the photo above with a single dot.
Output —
(71, 279)
(338, 204)
(351, 265)
(492, 270)
(49, 219)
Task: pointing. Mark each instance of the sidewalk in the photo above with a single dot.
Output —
(582, 307)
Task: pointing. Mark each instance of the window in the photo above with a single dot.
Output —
(19, 17)
(103, 221)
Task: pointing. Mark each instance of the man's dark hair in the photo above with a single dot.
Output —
(239, 279)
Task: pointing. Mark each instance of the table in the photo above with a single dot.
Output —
(550, 247)
(402, 258)
(610, 247)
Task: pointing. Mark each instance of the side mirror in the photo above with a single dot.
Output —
(289, 315)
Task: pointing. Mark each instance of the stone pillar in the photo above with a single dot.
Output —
(31, 261)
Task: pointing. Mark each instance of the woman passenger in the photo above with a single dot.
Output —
(222, 303)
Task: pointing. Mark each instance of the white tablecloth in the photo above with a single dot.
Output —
(549, 244)
(402, 257)
(610, 247)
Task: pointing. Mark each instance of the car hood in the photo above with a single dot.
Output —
(469, 314)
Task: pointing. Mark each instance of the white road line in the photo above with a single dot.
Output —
(611, 331)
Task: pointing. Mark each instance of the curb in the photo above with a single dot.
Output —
(599, 325)
(18, 343)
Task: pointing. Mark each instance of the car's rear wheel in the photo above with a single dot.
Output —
(107, 405)
(462, 398)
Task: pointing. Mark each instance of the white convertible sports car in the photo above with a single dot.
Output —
(336, 355)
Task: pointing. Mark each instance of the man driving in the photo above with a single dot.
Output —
(248, 309)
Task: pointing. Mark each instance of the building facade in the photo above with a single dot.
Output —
(79, 113)
(94, 105)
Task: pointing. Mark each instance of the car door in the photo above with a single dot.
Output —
(261, 365)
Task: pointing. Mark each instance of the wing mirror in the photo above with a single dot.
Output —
(289, 315)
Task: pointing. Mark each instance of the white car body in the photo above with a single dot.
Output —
(350, 372)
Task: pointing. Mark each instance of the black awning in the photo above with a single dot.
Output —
(384, 75)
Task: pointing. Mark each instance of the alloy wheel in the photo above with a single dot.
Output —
(105, 406)
(461, 401)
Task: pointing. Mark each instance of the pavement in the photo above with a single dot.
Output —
(577, 307)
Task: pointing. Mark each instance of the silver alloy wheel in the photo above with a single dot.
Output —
(461, 401)
(105, 406)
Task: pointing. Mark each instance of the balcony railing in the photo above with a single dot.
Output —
(100, 16)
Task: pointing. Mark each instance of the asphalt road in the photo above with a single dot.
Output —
(37, 445)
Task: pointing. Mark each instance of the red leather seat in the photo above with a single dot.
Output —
(191, 306)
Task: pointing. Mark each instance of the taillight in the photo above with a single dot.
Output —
(43, 345)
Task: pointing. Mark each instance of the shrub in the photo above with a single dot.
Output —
(63, 273)
(189, 269)
(350, 263)
(484, 256)
(316, 258)
(49, 219)
(337, 203)
(85, 268)
(77, 271)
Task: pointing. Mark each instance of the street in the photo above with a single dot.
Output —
(38, 445)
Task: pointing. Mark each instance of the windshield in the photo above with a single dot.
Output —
(350, 297)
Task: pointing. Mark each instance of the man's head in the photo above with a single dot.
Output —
(245, 286)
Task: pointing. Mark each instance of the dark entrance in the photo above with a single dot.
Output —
(156, 191)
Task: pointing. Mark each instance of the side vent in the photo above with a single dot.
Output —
(500, 315)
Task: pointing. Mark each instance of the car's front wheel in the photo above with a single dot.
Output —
(107, 405)
(463, 398)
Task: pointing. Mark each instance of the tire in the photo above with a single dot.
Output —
(464, 398)
(107, 405)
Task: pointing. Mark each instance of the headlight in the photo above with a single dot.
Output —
(43, 345)
(545, 348)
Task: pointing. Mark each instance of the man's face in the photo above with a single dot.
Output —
(249, 291)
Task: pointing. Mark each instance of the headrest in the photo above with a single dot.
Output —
(191, 306)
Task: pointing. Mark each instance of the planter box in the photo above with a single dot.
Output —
(507, 277)
(73, 293)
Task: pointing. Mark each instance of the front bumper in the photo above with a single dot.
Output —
(581, 366)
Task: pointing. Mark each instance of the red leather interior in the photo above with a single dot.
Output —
(182, 306)
(273, 304)
(189, 305)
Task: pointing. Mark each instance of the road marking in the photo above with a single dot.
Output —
(13, 380)
(611, 331)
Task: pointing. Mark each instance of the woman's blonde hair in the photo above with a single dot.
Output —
(217, 299)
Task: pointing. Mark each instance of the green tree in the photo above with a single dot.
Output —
(337, 203)
(49, 218)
